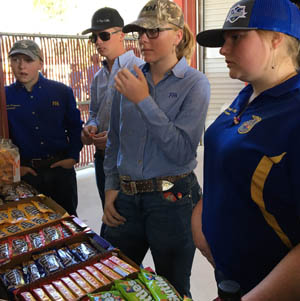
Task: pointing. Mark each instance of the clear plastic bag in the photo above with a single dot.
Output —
(9, 162)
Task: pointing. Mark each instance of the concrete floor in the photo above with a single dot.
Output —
(203, 286)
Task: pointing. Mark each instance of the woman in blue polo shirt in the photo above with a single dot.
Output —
(156, 124)
(251, 204)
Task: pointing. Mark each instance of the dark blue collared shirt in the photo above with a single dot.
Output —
(251, 204)
(45, 121)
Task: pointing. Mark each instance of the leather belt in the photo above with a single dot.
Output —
(156, 184)
(42, 163)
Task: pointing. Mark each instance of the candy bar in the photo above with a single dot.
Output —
(53, 293)
(159, 287)
(134, 290)
(107, 271)
(27, 296)
(114, 267)
(123, 264)
(64, 291)
(89, 278)
(40, 294)
(106, 296)
(75, 289)
(98, 275)
(81, 282)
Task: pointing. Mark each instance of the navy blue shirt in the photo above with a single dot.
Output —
(251, 183)
(45, 121)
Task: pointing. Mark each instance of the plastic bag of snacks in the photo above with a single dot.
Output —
(9, 162)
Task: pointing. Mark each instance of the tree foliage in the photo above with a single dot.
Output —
(52, 8)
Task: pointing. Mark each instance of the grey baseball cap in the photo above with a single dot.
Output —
(27, 47)
(157, 13)
(105, 18)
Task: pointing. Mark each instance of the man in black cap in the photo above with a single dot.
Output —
(108, 38)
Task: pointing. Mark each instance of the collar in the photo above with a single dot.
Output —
(40, 81)
(178, 70)
(120, 60)
(291, 84)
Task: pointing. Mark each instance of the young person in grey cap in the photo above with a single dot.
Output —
(251, 203)
(45, 125)
(108, 38)
(156, 123)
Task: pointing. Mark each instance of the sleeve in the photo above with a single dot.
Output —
(73, 126)
(94, 105)
(179, 138)
(112, 147)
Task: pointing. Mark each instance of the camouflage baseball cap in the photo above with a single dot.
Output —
(157, 13)
(27, 47)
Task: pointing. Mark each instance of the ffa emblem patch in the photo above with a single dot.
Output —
(236, 13)
(248, 125)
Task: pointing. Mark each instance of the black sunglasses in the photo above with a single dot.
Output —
(103, 35)
(150, 33)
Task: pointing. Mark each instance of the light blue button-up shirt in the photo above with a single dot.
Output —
(102, 89)
(160, 135)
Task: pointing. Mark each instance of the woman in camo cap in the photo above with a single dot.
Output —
(156, 124)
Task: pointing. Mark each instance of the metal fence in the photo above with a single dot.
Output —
(72, 60)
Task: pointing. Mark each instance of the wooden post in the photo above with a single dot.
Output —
(3, 111)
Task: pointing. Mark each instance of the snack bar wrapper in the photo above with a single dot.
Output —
(159, 287)
(133, 290)
(106, 296)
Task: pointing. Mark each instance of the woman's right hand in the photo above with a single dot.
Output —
(198, 236)
(111, 217)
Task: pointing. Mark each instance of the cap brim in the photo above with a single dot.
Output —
(25, 52)
(98, 28)
(148, 23)
(215, 37)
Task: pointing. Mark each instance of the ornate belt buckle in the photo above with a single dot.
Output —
(166, 185)
(133, 188)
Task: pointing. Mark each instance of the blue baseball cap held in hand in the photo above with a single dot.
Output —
(274, 15)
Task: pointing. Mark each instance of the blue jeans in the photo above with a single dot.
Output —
(100, 181)
(161, 225)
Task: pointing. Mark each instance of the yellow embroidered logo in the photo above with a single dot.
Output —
(230, 110)
(12, 107)
(55, 103)
(248, 125)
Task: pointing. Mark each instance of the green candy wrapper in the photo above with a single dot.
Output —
(159, 287)
(133, 290)
(106, 296)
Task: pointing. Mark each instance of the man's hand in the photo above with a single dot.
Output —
(134, 88)
(66, 163)
(88, 133)
(111, 217)
(100, 139)
(24, 170)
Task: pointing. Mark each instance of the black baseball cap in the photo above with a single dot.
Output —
(274, 15)
(104, 18)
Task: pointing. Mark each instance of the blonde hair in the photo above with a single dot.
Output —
(293, 48)
(186, 47)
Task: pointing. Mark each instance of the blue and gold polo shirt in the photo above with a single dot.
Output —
(251, 205)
